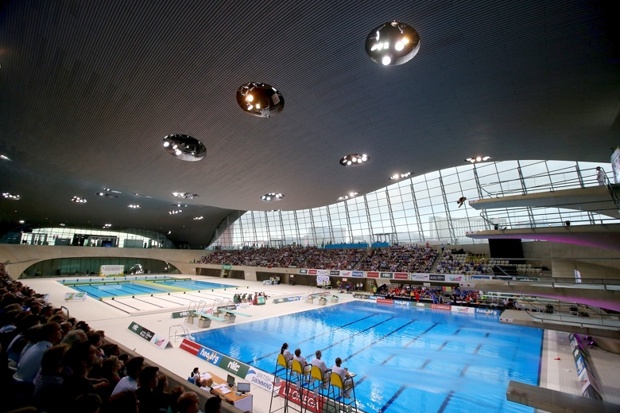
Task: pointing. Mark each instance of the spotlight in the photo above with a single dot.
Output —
(392, 43)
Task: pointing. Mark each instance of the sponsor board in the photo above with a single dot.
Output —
(454, 277)
(345, 273)
(463, 310)
(321, 272)
(286, 299)
(386, 275)
(308, 400)
(423, 305)
(111, 270)
(224, 362)
(372, 274)
(75, 296)
(149, 336)
(357, 273)
(481, 277)
(436, 277)
(311, 272)
(161, 342)
(384, 301)
(182, 314)
(400, 303)
(260, 379)
(467, 285)
(487, 311)
(401, 276)
(445, 307)
(334, 272)
(304, 271)
(419, 277)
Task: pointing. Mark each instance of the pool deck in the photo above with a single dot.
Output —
(558, 371)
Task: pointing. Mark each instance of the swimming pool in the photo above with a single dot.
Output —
(406, 359)
(100, 288)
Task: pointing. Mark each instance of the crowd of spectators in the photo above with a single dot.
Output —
(459, 262)
(405, 258)
(54, 363)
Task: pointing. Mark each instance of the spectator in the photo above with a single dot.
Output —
(130, 381)
(30, 362)
(188, 402)
(213, 405)
(600, 175)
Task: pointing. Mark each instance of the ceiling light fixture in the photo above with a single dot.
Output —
(260, 99)
(4, 157)
(348, 196)
(185, 195)
(354, 159)
(179, 205)
(198, 218)
(13, 197)
(78, 200)
(400, 176)
(272, 196)
(133, 206)
(107, 225)
(175, 211)
(392, 43)
(184, 147)
(478, 159)
(107, 195)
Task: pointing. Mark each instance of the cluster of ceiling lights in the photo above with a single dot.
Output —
(260, 99)
(184, 147)
(78, 200)
(13, 197)
(392, 43)
(198, 218)
(184, 195)
(354, 159)
(175, 211)
(400, 176)
(133, 206)
(105, 226)
(478, 159)
(272, 196)
(107, 195)
(348, 196)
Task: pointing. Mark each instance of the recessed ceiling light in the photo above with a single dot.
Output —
(186, 195)
(272, 196)
(354, 159)
(179, 205)
(133, 206)
(78, 200)
(478, 159)
(107, 225)
(175, 211)
(350, 195)
(21, 221)
(13, 197)
(392, 43)
(184, 147)
(198, 218)
(107, 195)
(4, 157)
(260, 99)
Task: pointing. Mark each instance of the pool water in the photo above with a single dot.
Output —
(101, 288)
(406, 359)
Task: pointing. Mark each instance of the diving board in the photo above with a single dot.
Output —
(235, 312)
(210, 316)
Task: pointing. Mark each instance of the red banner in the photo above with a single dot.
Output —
(440, 307)
(384, 301)
(190, 346)
(401, 275)
(372, 274)
(311, 402)
(311, 272)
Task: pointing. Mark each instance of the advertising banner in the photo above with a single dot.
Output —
(322, 272)
(334, 272)
(310, 401)
(286, 299)
(372, 274)
(260, 378)
(386, 275)
(454, 277)
(401, 276)
(419, 277)
(445, 307)
(111, 270)
(345, 273)
(437, 277)
(75, 296)
(357, 273)
(304, 271)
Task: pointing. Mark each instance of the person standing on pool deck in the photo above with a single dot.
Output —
(347, 380)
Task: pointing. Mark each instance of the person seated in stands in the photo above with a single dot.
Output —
(322, 366)
(213, 405)
(188, 402)
(130, 381)
(302, 360)
(49, 334)
(347, 380)
(150, 397)
(286, 353)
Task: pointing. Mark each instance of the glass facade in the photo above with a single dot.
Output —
(424, 208)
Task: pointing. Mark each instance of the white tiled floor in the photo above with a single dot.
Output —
(558, 369)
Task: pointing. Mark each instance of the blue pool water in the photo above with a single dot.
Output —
(406, 359)
(120, 286)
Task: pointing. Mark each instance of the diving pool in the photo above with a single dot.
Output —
(406, 358)
(100, 288)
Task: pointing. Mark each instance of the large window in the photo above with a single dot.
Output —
(424, 208)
